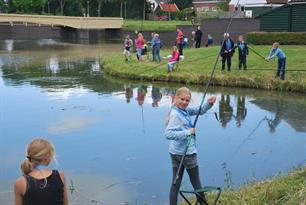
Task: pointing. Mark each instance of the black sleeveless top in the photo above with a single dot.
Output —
(51, 194)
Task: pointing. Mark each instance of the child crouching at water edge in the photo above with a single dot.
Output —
(39, 185)
(178, 128)
(281, 64)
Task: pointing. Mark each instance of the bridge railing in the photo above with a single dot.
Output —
(65, 21)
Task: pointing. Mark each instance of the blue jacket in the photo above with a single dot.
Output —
(276, 52)
(232, 45)
(155, 42)
(243, 48)
(177, 129)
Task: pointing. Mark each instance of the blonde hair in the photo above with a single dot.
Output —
(276, 44)
(180, 91)
(37, 152)
(183, 90)
(140, 36)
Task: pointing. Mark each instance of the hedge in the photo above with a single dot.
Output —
(284, 38)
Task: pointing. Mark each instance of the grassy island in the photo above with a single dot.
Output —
(198, 64)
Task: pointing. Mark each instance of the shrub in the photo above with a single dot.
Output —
(284, 38)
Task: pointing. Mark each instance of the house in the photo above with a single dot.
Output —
(163, 10)
(254, 8)
(208, 5)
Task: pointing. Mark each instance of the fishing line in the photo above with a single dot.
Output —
(270, 69)
(202, 101)
(258, 54)
(248, 136)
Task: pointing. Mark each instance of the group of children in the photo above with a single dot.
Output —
(228, 49)
(141, 49)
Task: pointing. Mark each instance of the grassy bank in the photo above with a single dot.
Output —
(198, 63)
(280, 190)
(152, 25)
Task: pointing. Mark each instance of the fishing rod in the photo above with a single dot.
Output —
(202, 101)
(258, 54)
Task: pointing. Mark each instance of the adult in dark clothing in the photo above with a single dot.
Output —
(198, 37)
(243, 52)
(227, 52)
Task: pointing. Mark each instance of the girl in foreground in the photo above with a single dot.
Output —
(178, 128)
(39, 185)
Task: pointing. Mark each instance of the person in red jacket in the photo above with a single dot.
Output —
(179, 41)
(173, 60)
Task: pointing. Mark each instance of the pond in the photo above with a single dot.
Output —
(108, 133)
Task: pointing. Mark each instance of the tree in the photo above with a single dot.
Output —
(62, 4)
(28, 6)
(223, 6)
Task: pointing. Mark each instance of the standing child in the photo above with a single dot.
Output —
(128, 43)
(178, 129)
(139, 46)
(40, 185)
(173, 60)
(281, 65)
(243, 52)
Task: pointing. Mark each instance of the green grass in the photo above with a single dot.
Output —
(198, 64)
(153, 25)
(279, 190)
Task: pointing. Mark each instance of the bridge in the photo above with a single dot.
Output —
(62, 21)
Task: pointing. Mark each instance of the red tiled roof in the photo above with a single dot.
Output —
(168, 7)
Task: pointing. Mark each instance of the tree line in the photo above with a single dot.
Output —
(111, 8)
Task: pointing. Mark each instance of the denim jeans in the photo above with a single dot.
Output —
(281, 66)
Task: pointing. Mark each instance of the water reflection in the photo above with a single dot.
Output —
(53, 64)
(156, 96)
(241, 110)
(225, 110)
(9, 45)
(290, 110)
(128, 92)
(141, 94)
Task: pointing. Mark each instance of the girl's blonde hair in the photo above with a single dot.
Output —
(180, 91)
(140, 36)
(183, 90)
(38, 151)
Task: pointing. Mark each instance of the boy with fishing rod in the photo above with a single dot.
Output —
(181, 133)
(40, 185)
(281, 64)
